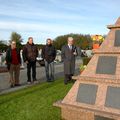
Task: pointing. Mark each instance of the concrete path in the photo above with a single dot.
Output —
(5, 84)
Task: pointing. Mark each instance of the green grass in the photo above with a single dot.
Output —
(34, 103)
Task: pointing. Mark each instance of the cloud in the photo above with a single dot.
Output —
(40, 14)
(48, 28)
(49, 18)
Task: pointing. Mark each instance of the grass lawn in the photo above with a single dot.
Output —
(34, 103)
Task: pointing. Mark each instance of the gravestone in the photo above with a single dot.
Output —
(102, 118)
(96, 92)
(113, 97)
(87, 93)
(106, 65)
(117, 38)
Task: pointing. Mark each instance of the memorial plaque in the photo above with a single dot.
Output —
(106, 65)
(102, 118)
(117, 38)
(87, 93)
(113, 97)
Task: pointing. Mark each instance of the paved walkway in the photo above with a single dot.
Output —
(4, 77)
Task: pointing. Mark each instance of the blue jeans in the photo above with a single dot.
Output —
(49, 68)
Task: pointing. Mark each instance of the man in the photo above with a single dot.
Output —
(49, 54)
(30, 53)
(69, 52)
(13, 62)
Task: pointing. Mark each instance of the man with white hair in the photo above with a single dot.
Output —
(69, 53)
(13, 62)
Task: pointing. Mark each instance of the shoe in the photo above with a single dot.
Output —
(12, 86)
(35, 79)
(48, 80)
(17, 85)
(28, 83)
(35, 82)
(65, 83)
(52, 80)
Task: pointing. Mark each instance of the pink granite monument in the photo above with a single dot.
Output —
(96, 92)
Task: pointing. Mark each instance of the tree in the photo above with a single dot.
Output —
(60, 41)
(82, 41)
(17, 38)
(3, 47)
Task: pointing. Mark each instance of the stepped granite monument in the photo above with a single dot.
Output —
(96, 92)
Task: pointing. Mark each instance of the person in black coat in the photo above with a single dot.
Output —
(49, 55)
(30, 53)
(68, 54)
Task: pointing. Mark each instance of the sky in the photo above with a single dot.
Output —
(44, 19)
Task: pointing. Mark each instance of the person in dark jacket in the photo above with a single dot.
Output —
(30, 53)
(13, 62)
(49, 55)
(68, 54)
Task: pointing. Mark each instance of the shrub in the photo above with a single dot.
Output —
(86, 60)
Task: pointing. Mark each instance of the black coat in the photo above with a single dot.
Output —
(69, 59)
(49, 53)
(30, 52)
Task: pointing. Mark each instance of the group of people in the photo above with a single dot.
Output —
(30, 53)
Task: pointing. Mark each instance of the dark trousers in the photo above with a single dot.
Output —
(67, 78)
(49, 68)
(31, 65)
